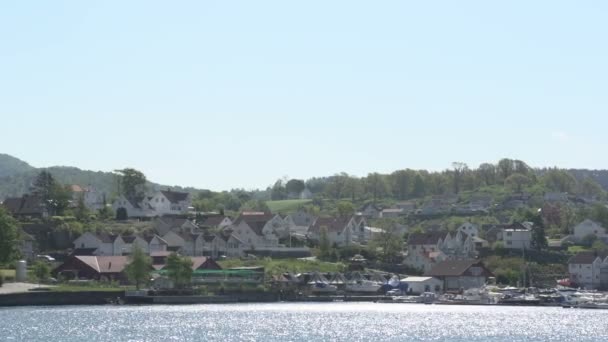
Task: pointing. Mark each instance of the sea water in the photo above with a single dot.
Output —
(302, 322)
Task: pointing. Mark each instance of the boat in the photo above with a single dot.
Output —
(320, 287)
(363, 286)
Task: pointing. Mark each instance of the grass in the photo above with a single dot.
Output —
(8, 273)
(286, 205)
(273, 267)
(577, 249)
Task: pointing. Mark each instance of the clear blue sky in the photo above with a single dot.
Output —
(223, 94)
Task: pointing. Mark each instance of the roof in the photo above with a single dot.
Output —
(255, 221)
(25, 205)
(197, 262)
(105, 264)
(12, 204)
(213, 221)
(332, 224)
(175, 196)
(455, 268)
(129, 238)
(76, 188)
(417, 279)
(586, 257)
(430, 238)
(106, 238)
(393, 210)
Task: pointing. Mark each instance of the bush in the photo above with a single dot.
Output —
(1, 279)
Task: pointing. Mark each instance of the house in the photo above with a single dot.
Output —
(556, 197)
(392, 213)
(182, 242)
(219, 244)
(589, 270)
(424, 250)
(103, 268)
(460, 274)
(470, 229)
(215, 222)
(420, 285)
(257, 229)
(589, 227)
(306, 194)
(92, 199)
(104, 244)
(160, 203)
(162, 225)
(299, 223)
(370, 211)
(516, 236)
(341, 231)
(26, 206)
(407, 206)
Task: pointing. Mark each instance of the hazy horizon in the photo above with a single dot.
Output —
(222, 95)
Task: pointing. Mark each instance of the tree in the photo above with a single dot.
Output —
(388, 240)
(419, 189)
(295, 187)
(41, 271)
(591, 188)
(345, 209)
(517, 182)
(459, 170)
(506, 168)
(375, 185)
(255, 205)
(599, 213)
(8, 237)
(539, 238)
(81, 211)
(138, 269)
(132, 184)
(401, 182)
(324, 243)
(55, 196)
(179, 270)
(487, 173)
(559, 180)
(278, 191)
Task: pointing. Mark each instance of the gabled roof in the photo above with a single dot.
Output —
(455, 268)
(105, 264)
(149, 239)
(212, 221)
(25, 205)
(129, 238)
(106, 237)
(255, 221)
(175, 196)
(586, 257)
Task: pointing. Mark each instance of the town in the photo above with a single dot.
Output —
(503, 233)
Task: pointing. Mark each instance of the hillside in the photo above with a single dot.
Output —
(16, 177)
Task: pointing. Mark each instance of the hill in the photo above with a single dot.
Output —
(17, 176)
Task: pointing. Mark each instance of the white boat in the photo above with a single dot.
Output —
(323, 288)
(363, 286)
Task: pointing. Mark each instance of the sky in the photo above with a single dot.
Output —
(237, 94)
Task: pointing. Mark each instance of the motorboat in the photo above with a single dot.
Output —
(320, 287)
(363, 286)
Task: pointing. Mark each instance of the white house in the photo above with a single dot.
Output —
(424, 250)
(419, 285)
(104, 244)
(516, 237)
(257, 229)
(370, 210)
(162, 225)
(92, 199)
(470, 229)
(589, 227)
(160, 203)
(589, 270)
(215, 222)
(224, 243)
(341, 231)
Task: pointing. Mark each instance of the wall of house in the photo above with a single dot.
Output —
(588, 228)
(464, 282)
(157, 246)
(586, 275)
(87, 240)
(418, 287)
(517, 239)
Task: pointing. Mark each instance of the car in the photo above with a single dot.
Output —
(46, 258)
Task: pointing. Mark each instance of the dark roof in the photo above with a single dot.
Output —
(106, 238)
(255, 221)
(128, 238)
(174, 196)
(425, 238)
(149, 238)
(188, 236)
(586, 257)
(455, 268)
(212, 221)
(84, 251)
(332, 224)
(26, 205)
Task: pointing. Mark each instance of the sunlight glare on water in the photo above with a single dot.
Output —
(302, 322)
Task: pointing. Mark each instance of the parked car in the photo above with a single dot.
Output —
(46, 258)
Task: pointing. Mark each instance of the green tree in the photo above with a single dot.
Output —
(539, 237)
(516, 182)
(179, 270)
(295, 187)
(505, 168)
(324, 243)
(139, 267)
(278, 191)
(419, 189)
(345, 209)
(388, 240)
(132, 183)
(559, 180)
(41, 271)
(591, 188)
(375, 185)
(81, 211)
(8, 237)
(487, 173)
(460, 169)
(599, 213)
(56, 197)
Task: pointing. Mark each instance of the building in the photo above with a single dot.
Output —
(424, 250)
(420, 285)
(589, 227)
(370, 211)
(258, 229)
(392, 213)
(341, 231)
(589, 270)
(92, 199)
(162, 225)
(26, 206)
(516, 237)
(215, 222)
(160, 203)
(460, 274)
(105, 244)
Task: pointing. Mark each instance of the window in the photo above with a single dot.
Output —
(509, 242)
(509, 234)
(162, 200)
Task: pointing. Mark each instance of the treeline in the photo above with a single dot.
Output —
(512, 175)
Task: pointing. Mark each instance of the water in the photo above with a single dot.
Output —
(302, 322)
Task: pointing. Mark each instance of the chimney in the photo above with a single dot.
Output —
(110, 266)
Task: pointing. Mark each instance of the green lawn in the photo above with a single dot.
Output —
(8, 273)
(280, 266)
(577, 249)
(286, 205)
